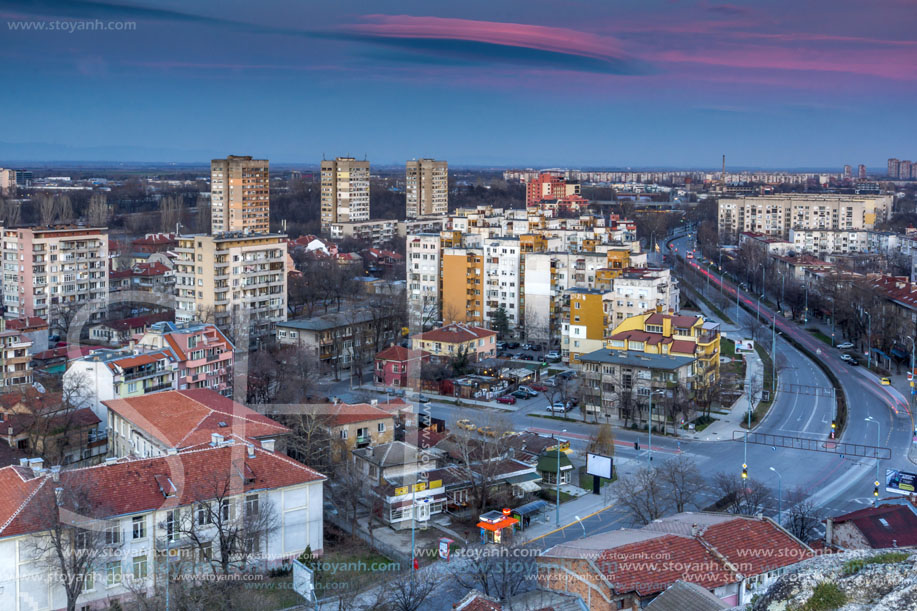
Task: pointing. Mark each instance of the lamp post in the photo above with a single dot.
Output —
(868, 340)
(875, 499)
(912, 353)
(649, 448)
(774, 357)
(779, 497)
(737, 302)
(720, 270)
(805, 314)
(758, 311)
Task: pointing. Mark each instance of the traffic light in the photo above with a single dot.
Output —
(833, 428)
(744, 471)
(875, 491)
(637, 446)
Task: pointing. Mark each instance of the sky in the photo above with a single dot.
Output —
(528, 83)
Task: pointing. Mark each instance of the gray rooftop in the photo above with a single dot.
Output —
(637, 359)
(684, 596)
(330, 321)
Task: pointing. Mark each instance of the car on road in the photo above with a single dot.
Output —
(507, 399)
(487, 430)
(466, 424)
(845, 346)
(566, 375)
(560, 406)
(850, 360)
(423, 399)
(520, 394)
(508, 434)
(885, 381)
(553, 355)
(538, 387)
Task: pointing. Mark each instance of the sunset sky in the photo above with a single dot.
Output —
(656, 83)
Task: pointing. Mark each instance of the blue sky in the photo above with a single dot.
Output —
(521, 82)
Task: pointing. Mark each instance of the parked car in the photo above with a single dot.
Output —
(528, 346)
(466, 424)
(508, 434)
(520, 394)
(507, 399)
(885, 381)
(526, 357)
(501, 345)
(529, 391)
(512, 345)
(538, 387)
(845, 346)
(566, 375)
(423, 399)
(560, 406)
(553, 356)
(849, 359)
(487, 430)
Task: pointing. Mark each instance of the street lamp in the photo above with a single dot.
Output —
(779, 497)
(650, 446)
(912, 357)
(875, 500)
(868, 340)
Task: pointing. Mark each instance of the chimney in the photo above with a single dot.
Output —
(829, 531)
(55, 473)
(694, 530)
(37, 464)
(172, 451)
(216, 439)
(894, 543)
(58, 495)
(251, 450)
(267, 444)
(111, 460)
(23, 462)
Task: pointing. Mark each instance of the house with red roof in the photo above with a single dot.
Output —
(204, 356)
(150, 277)
(33, 329)
(154, 242)
(732, 556)
(225, 499)
(152, 425)
(119, 331)
(885, 526)
(446, 343)
(397, 365)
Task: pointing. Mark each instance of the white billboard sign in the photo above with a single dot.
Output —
(598, 465)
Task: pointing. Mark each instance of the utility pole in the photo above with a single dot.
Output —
(737, 303)
(868, 340)
(557, 491)
(805, 315)
(875, 499)
(774, 358)
(779, 497)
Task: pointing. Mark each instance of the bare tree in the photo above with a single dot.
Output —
(802, 514)
(54, 422)
(171, 211)
(99, 212)
(225, 527)
(13, 214)
(346, 492)
(501, 575)
(683, 482)
(746, 497)
(45, 209)
(643, 495)
(603, 442)
(63, 209)
(203, 214)
(408, 593)
(74, 541)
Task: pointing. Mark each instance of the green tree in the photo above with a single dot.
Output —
(500, 322)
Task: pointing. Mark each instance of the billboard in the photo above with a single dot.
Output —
(900, 482)
(599, 466)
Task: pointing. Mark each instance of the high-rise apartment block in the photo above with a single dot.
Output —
(7, 182)
(239, 195)
(848, 171)
(426, 188)
(424, 251)
(861, 171)
(905, 170)
(548, 187)
(225, 277)
(775, 215)
(345, 191)
(47, 269)
(893, 167)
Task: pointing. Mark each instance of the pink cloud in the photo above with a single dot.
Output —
(560, 40)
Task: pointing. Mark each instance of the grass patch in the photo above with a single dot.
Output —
(763, 406)
(826, 596)
(727, 347)
(347, 563)
(561, 418)
(585, 480)
(818, 334)
(702, 422)
(852, 567)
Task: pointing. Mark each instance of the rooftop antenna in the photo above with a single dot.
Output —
(723, 175)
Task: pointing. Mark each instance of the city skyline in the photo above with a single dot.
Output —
(662, 84)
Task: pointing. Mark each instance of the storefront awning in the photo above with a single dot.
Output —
(494, 526)
(528, 486)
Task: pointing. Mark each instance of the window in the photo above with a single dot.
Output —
(343, 433)
(251, 505)
(138, 526)
(89, 581)
(112, 573)
(203, 514)
(226, 510)
(205, 552)
(140, 567)
(82, 539)
(172, 521)
(381, 427)
(113, 535)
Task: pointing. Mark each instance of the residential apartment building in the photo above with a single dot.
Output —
(15, 358)
(147, 509)
(776, 214)
(547, 187)
(230, 277)
(175, 420)
(502, 286)
(673, 335)
(46, 424)
(397, 366)
(354, 426)
(584, 329)
(345, 191)
(46, 269)
(426, 187)
(463, 285)
(240, 191)
(107, 374)
(639, 290)
(7, 181)
(424, 284)
(203, 355)
(448, 342)
(118, 332)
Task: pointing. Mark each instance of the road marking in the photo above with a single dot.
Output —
(570, 524)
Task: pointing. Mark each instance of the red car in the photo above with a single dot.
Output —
(538, 387)
(508, 399)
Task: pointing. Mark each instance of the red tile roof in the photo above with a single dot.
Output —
(138, 360)
(455, 334)
(678, 320)
(134, 486)
(754, 546)
(683, 346)
(884, 526)
(648, 567)
(31, 322)
(184, 418)
(138, 322)
(346, 413)
(178, 340)
(400, 354)
(155, 239)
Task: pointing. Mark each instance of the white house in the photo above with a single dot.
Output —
(141, 511)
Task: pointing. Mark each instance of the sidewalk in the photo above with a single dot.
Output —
(723, 428)
(580, 507)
